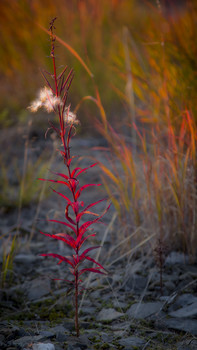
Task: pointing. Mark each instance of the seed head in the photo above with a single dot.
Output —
(47, 100)
(70, 117)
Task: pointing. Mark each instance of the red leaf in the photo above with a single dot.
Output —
(56, 181)
(61, 279)
(84, 227)
(84, 239)
(85, 211)
(91, 269)
(82, 170)
(62, 195)
(78, 193)
(88, 250)
(60, 174)
(68, 217)
(70, 160)
(76, 205)
(73, 184)
(61, 258)
(94, 261)
(74, 171)
(62, 237)
(64, 223)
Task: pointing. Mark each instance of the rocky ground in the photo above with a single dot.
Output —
(124, 310)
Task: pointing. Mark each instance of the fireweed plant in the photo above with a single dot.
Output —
(53, 98)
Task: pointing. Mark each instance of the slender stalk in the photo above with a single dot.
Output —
(76, 304)
(57, 97)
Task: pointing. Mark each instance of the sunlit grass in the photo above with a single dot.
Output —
(137, 64)
(97, 39)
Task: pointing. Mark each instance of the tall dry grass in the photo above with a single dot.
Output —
(142, 58)
(155, 189)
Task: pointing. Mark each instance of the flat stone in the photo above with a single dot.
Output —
(120, 304)
(170, 285)
(187, 311)
(25, 341)
(47, 334)
(132, 342)
(176, 258)
(2, 345)
(43, 346)
(61, 337)
(88, 310)
(57, 329)
(106, 337)
(187, 345)
(136, 283)
(186, 325)
(26, 258)
(73, 347)
(38, 288)
(144, 310)
(109, 315)
(182, 301)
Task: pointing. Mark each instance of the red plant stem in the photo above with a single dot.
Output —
(76, 304)
(67, 154)
(161, 273)
(76, 272)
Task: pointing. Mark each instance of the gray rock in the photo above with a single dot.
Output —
(73, 347)
(61, 337)
(119, 304)
(176, 258)
(106, 337)
(144, 310)
(187, 311)
(170, 285)
(109, 315)
(186, 325)
(2, 345)
(2, 338)
(26, 259)
(43, 346)
(187, 345)
(88, 310)
(182, 301)
(38, 288)
(132, 342)
(136, 283)
(25, 341)
(47, 334)
(58, 329)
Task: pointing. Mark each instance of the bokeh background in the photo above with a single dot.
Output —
(135, 86)
(141, 55)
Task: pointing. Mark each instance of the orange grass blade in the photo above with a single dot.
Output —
(73, 52)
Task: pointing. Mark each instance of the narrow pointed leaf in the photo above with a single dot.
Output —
(83, 170)
(62, 195)
(85, 211)
(91, 269)
(68, 217)
(84, 227)
(62, 237)
(89, 249)
(85, 238)
(60, 257)
(62, 73)
(56, 181)
(64, 223)
(60, 174)
(78, 193)
(94, 261)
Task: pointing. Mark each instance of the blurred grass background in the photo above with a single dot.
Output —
(140, 69)
(149, 44)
